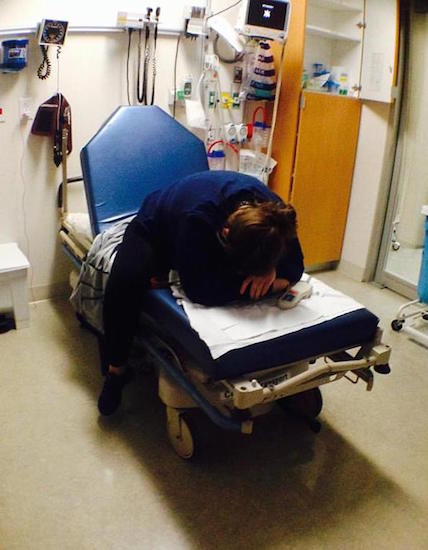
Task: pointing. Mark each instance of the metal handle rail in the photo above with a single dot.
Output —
(249, 392)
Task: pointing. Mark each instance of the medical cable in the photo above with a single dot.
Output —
(275, 109)
(58, 51)
(253, 120)
(238, 56)
(44, 70)
(155, 39)
(222, 11)
(220, 95)
(140, 94)
(259, 108)
(142, 81)
(127, 65)
(24, 218)
(146, 61)
(199, 87)
(175, 75)
(217, 141)
(146, 55)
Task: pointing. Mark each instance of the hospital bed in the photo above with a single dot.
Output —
(138, 150)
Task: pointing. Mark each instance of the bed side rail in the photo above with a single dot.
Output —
(247, 392)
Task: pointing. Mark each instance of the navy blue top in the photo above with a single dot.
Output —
(183, 220)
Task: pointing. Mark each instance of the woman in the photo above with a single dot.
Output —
(228, 236)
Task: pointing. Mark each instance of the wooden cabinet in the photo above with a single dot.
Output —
(325, 156)
(358, 38)
(316, 133)
(334, 35)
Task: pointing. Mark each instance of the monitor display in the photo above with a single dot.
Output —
(268, 14)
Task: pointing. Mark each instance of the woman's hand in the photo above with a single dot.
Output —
(280, 285)
(259, 285)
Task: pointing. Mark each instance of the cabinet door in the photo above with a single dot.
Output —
(325, 156)
(380, 50)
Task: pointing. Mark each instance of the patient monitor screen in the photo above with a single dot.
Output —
(271, 15)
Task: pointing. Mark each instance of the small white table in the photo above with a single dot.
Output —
(13, 283)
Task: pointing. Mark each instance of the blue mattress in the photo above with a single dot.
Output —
(344, 332)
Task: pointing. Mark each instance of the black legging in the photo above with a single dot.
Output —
(130, 276)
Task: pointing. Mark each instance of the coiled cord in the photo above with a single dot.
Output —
(44, 71)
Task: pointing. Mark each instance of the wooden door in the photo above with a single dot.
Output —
(325, 157)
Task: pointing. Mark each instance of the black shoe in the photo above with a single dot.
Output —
(111, 394)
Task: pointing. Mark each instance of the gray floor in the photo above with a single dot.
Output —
(71, 480)
(405, 263)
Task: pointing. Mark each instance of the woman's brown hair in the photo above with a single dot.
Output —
(257, 235)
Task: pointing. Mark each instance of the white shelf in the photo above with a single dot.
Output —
(333, 35)
(335, 5)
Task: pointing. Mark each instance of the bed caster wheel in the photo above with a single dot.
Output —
(425, 316)
(397, 325)
(179, 433)
(306, 405)
(314, 425)
(382, 369)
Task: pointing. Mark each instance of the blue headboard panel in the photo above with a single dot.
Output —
(138, 150)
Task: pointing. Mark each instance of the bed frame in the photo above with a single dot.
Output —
(137, 150)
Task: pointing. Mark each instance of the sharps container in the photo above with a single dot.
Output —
(14, 54)
(423, 276)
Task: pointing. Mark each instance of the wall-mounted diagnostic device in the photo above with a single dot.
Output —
(52, 32)
(14, 55)
(265, 19)
(194, 18)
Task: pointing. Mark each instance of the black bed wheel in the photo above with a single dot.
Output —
(397, 325)
(425, 316)
(307, 404)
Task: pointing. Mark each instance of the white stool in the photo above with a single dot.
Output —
(13, 283)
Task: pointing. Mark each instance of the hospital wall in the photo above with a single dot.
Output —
(93, 79)
(369, 191)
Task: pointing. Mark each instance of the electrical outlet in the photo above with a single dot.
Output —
(26, 108)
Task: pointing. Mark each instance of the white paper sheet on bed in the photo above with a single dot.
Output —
(236, 326)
